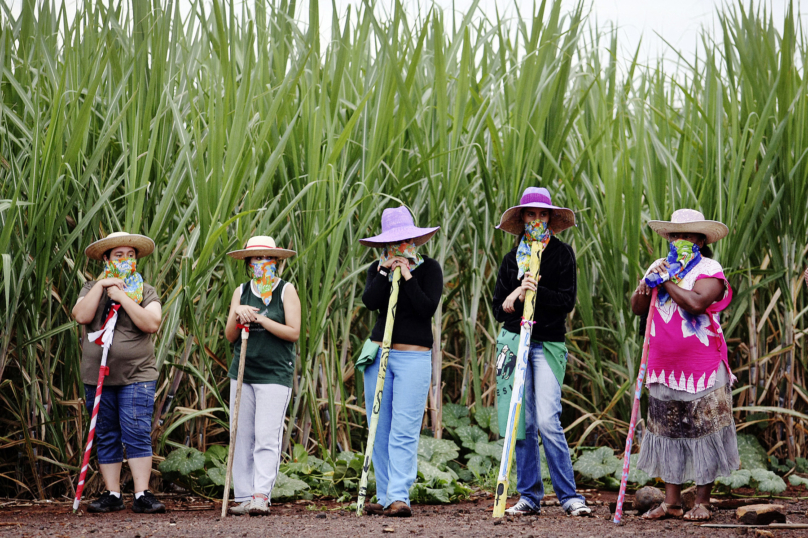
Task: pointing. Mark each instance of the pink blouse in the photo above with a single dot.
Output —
(685, 351)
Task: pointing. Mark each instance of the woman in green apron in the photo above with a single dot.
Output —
(271, 308)
(536, 219)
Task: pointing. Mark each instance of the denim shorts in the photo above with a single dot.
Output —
(124, 421)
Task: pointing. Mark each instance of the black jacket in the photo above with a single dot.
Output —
(555, 295)
(418, 299)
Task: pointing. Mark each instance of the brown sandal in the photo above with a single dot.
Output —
(665, 507)
(691, 513)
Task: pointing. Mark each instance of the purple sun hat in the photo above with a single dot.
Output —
(561, 218)
(398, 226)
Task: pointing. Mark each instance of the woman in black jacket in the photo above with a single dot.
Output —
(536, 219)
(409, 365)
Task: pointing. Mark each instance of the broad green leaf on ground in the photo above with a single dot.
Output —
(435, 451)
(287, 488)
(795, 480)
(737, 479)
(595, 464)
(486, 418)
(753, 455)
(422, 494)
(635, 474)
(216, 455)
(479, 465)
(455, 415)
(183, 461)
(802, 465)
(491, 449)
(429, 472)
(471, 435)
(217, 475)
(768, 481)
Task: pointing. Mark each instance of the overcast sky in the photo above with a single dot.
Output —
(655, 21)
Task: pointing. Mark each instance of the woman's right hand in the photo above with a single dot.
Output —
(110, 282)
(389, 263)
(245, 314)
(528, 283)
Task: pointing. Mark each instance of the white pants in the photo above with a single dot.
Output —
(258, 442)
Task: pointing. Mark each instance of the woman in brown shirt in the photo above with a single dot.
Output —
(127, 401)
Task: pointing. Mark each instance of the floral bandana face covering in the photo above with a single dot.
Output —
(265, 275)
(126, 270)
(402, 250)
(682, 258)
(534, 231)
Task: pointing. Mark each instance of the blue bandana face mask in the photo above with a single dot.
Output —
(683, 256)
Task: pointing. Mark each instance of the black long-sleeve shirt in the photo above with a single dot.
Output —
(555, 293)
(418, 298)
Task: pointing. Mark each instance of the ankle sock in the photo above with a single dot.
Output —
(139, 495)
(116, 494)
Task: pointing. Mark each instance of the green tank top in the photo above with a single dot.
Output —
(270, 360)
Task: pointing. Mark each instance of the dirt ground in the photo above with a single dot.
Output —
(199, 518)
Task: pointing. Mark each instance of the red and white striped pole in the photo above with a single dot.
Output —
(103, 338)
(635, 410)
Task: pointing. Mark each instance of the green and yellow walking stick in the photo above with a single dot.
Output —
(517, 393)
(377, 396)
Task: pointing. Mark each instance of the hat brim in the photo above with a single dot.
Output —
(244, 253)
(561, 218)
(418, 235)
(711, 229)
(142, 245)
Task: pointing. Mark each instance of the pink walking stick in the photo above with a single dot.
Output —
(103, 338)
(635, 411)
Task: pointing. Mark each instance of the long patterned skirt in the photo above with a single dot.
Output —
(690, 437)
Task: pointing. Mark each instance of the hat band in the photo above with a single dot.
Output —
(535, 197)
(258, 246)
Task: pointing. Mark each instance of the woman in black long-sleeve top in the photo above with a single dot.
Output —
(536, 219)
(409, 365)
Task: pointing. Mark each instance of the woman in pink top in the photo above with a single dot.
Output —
(690, 430)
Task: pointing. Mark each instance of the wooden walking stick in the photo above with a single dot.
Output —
(377, 396)
(245, 334)
(635, 410)
(518, 390)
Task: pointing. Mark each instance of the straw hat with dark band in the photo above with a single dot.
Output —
(142, 245)
(690, 221)
(261, 245)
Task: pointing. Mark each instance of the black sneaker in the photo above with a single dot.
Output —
(148, 504)
(107, 502)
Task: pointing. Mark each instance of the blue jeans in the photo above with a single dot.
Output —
(124, 420)
(395, 452)
(542, 405)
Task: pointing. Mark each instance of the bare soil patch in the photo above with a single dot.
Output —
(198, 518)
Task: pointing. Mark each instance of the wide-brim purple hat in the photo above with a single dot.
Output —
(398, 226)
(561, 218)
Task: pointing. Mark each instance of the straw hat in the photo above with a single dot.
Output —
(561, 218)
(690, 221)
(398, 226)
(261, 245)
(143, 245)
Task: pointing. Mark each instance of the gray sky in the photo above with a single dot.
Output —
(677, 21)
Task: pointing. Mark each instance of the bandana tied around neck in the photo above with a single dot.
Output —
(265, 275)
(682, 258)
(126, 270)
(534, 231)
(402, 250)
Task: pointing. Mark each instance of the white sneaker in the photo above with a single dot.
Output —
(522, 508)
(578, 508)
(239, 509)
(259, 506)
